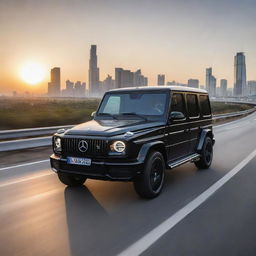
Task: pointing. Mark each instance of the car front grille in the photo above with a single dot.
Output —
(96, 148)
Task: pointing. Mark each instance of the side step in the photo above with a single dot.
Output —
(190, 158)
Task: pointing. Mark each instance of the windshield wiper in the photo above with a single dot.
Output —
(107, 114)
(133, 114)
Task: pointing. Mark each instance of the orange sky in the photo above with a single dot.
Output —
(177, 38)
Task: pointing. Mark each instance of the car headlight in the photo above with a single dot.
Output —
(118, 146)
(57, 144)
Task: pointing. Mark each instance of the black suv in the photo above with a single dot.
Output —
(135, 135)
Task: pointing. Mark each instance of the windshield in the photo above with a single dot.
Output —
(134, 104)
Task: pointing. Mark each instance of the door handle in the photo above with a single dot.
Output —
(186, 130)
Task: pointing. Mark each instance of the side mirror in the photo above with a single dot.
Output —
(93, 114)
(177, 116)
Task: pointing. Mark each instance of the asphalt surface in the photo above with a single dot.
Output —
(40, 216)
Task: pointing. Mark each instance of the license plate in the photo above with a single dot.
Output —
(79, 161)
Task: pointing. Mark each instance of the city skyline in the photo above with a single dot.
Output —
(127, 78)
(55, 33)
(96, 87)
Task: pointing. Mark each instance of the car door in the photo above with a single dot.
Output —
(194, 120)
(178, 131)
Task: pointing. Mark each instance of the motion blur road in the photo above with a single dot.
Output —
(40, 216)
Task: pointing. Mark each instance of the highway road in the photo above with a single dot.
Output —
(208, 212)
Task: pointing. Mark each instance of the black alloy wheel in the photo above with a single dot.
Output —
(206, 154)
(156, 174)
(150, 183)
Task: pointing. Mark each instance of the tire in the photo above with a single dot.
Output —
(71, 180)
(206, 154)
(150, 183)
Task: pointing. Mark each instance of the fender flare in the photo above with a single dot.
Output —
(203, 134)
(147, 147)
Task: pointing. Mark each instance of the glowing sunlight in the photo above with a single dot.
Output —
(32, 73)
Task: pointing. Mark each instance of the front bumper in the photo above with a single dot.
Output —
(121, 171)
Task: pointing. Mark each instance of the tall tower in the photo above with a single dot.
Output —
(54, 85)
(208, 78)
(93, 72)
(240, 88)
(210, 82)
(223, 87)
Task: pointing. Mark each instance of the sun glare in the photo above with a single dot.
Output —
(32, 73)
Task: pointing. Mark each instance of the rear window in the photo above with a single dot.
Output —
(205, 105)
(177, 103)
(193, 110)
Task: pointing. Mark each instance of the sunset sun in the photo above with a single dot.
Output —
(32, 73)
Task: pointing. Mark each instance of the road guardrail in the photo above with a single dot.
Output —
(25, 143)
(22, 133)
(19, 144)
(233, 114)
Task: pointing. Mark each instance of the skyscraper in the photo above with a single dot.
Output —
(79, 89)
(252, 88)
(240, 88)
(208, 78)
(69, 89)
(160, 79)
(127, 78)
(210, 82)
(223, 87)
(193, 83)
(123, 78)
(108, 84)
(54, 85)
(93, 72)
(139, 79)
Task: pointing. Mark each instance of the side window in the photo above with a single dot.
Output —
(177, 103)
(193, 110)
(205, 105)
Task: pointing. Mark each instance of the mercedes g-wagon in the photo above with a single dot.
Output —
(135, 135)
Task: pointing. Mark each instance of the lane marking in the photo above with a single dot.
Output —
(150, 238)
(26, 164)
(25, 179)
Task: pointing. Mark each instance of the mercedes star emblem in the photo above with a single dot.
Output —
(82, 146)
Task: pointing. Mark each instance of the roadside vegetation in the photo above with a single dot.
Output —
(40, 112)
(222, 107)
(16, 113)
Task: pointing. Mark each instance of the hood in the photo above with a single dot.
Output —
(111, 127)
